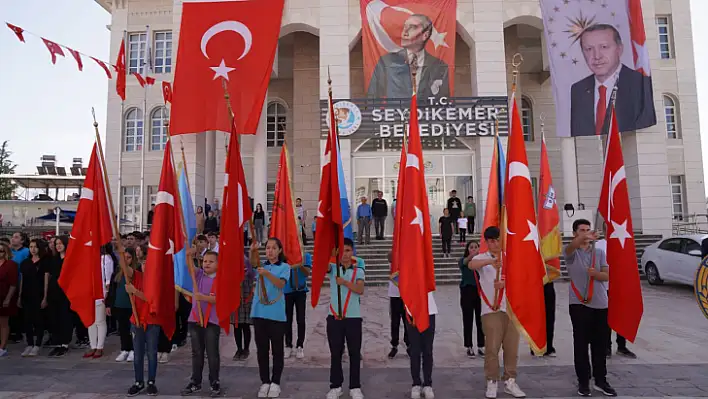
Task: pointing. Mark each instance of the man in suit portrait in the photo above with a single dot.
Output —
(392, 75)
(602, 49)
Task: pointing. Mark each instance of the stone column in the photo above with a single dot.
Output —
(210, 157)
(570, 180)
(260, 160)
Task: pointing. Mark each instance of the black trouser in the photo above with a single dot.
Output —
(205, 338)
(242, 336)
(122, 316)
(379, 225)
(164, 345)
(338, 332)
(446, 243)
(269, 337)
(34, 323)
(621, 341)
(463, 236)
(62, 319)
(422, 344)
(16, 324)
(549, 295)
(589, 329)
(180, 335)
(304, 235)
(455, 216)
(295, 301)
(398, 312)
(471, 305)
(81, 329)
(470, 224)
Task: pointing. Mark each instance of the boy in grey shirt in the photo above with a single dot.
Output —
(588, 308)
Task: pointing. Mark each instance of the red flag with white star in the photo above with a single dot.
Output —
(232, 41)
(166, 239)
(639, 37)
(525, 269)
(416, 270)
(625, 291)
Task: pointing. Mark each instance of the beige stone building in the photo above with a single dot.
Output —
(664, 165)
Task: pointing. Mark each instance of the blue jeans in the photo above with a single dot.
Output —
(145, 341)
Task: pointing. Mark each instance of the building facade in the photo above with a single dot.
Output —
(663, 163)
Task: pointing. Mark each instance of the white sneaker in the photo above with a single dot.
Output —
(491, 389)
(356, 393)
(274, 390)
(513, 389)
(163, 357)
(131, 356)
(174, 348)
(263, 391)
(287, 352)
(415, 392)
(26, 352)
(428, 393)
(34, 351)
(334, 393)
(300, 353)
(122, 356)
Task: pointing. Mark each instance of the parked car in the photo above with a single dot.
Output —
(673, 259)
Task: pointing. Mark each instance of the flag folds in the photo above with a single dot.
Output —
(625, 291)
(183, 279)
(495, 191)
(416, 269)
(121, 71)
(525, 269)
(394, 267)
(166, 239)
(235, 213)
(548, 218)
(283, 222)
(80, 276)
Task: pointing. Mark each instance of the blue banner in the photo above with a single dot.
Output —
(183, 279)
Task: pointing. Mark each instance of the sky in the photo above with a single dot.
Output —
(46, 109)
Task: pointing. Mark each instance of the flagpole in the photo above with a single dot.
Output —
(501, 203)
(336, 233)
(114, 222)
(146, 123)
(122, 135)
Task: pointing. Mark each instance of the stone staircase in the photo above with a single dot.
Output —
(446, 269)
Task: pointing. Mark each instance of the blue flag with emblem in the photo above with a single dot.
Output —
(344, 199)
(183, 280)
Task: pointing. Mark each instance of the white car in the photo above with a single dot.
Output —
(673, 259)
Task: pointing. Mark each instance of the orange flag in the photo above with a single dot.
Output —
(548, 218)
(523, 264)
(284, 223)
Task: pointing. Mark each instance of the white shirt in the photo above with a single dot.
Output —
(462, 223)
(432, 306)
(216, 248)
(393, 291)
(487, 276)
(107, 267)
(609, 84)
(420, 63)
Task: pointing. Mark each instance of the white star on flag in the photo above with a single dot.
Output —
(438, 39)
(619, 231)
(319, 210)
(222, 70)
(171, 250)
(642, 58)
(418, 219)
(533, 234)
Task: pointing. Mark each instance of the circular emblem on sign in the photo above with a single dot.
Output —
(701, 286)
(348, 117)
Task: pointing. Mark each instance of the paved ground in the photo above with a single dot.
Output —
(672, 347)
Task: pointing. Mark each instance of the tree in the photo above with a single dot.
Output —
(7, 187)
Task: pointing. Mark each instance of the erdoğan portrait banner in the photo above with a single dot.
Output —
(400, 33)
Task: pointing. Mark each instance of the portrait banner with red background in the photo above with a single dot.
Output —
(397, 33)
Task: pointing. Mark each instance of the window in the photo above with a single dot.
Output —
(677, 198)
(663, 23)
(690, 245)
(670, 114)
(136, 52)
(131, 204)
(158, 130)
(152, 194)
(527, 119)
(277, 124)
(134, 130)
(163, 52)
(672, 244)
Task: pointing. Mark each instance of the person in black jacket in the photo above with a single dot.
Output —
(379, 208)
(211, 224)
(33, 295)
(454, 205)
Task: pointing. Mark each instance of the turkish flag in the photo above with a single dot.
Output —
(625, 291)
(19, 32)
(394, 267)
(525, 269)
(235, 213)
(283, 223)
(329, 225)
(77, 57)
(548, 218)
(638, 37)
(416, 270)
(167, 92)
(232, 41)
(166, 239)
(495, 192)
(54, 49)
(121, 71)
(81, 277)
(382, 30)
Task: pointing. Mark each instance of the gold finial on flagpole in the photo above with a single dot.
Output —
(516, 62)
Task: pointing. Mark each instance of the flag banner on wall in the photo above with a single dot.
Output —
(591, 46)
(399, 33)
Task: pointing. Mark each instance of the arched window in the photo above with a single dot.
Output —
(133, 130)
(158, 130)
(671, 114)
(277, 124)
(527, 119)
